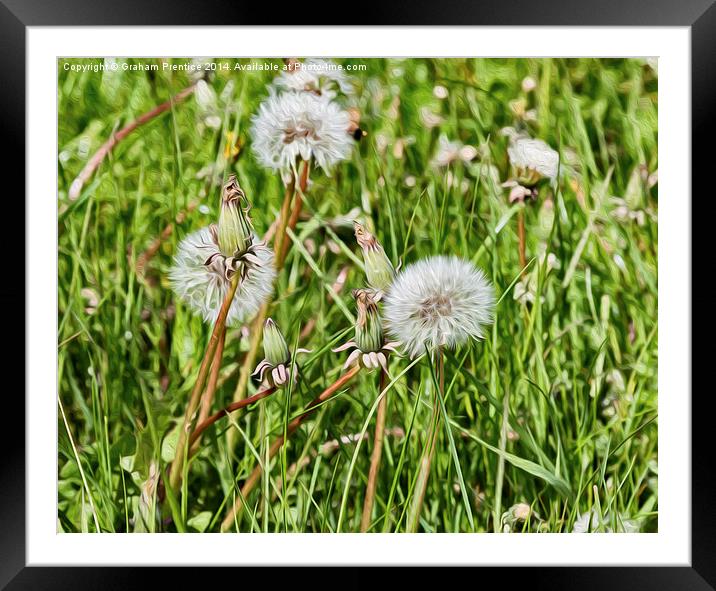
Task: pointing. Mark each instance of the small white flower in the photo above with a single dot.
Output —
(201, 276)
(430, 119)
(533, 157)
(207, 104)
(440, 92)
(315, 75)
(449, 152)
(438, 301)
(300, 124)
(528, 84)
(582, 524)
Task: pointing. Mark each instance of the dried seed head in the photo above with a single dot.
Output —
(275, 348)
(438, 301)
(235, 233)
(379, 270)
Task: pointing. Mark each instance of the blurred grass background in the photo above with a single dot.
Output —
(556, 409)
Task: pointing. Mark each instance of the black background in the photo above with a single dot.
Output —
(16, 15)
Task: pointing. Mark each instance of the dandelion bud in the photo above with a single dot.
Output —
(369, 331)
(275, 347)
(368, 349)
(235, 233)
(378, 268)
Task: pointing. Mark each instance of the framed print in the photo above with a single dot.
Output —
(359, 296)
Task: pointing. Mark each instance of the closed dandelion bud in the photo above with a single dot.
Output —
(378, 268)
(235, 233)
(275, 347)
(369, 330)
(368, 349)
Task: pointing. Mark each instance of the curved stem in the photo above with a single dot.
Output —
(208, 397)
(253, 478)
(206, 423)
(178, 463)
(375, 457)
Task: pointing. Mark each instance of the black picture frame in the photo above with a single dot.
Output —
(17, 15)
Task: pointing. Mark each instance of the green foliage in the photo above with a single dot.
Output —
(556, 408)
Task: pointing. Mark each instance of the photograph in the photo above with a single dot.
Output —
(357, 295)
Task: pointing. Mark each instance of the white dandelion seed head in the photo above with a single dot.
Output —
(203, 286)
(319, 76)
(300, 124)
(534, 155)
(438, 301)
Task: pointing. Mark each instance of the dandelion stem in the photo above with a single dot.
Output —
(115, 138)
(255, 475)
(207, 422)
(421, 485)
(208, 397)
(375, 457)
(521, 237)
(285, 221)
(295, 213)
(219, 325)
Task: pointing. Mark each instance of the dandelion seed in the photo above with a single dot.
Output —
(293, 125)
(442, 300)
(201, 276)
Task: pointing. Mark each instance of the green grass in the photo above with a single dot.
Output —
(556, 408)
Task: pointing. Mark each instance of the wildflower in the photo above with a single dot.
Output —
(590, 522)
(379, 270)
(440, 92)
(511, 518)
(201, 276)
(207, 104)
(317, 76)
(449, 152)
(528, 84)
(277, 357)
(532, 160)
(430, 119)
(370, 350)
(442, 300)
(293, 125)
